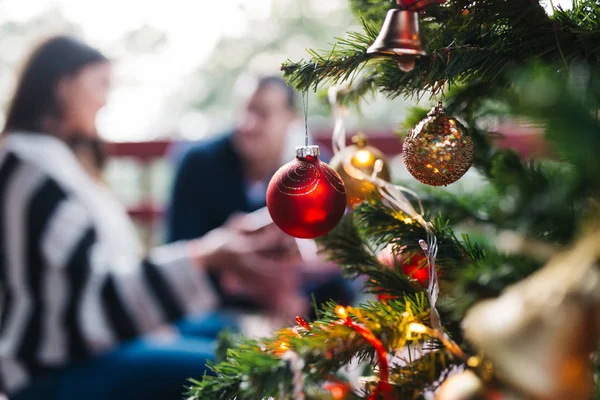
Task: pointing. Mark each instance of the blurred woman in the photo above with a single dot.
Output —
(76, 296)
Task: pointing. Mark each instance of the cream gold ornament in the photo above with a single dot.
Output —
(362, 157)
(540, 333)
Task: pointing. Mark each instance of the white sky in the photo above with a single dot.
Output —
(143, 82)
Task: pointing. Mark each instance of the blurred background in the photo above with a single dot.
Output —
(183, 68)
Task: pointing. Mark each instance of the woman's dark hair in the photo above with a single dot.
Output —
(35, 95)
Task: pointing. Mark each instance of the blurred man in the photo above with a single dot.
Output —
(230, 174)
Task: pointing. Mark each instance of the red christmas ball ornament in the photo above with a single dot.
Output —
(414, 265)
(306, 198)
(416, 268)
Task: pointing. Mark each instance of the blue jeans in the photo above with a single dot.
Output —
(145, 368)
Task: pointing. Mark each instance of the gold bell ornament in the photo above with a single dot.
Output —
(400, 36)
(362, 157)
(541, 332)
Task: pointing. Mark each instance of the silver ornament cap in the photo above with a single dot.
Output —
(305, 151)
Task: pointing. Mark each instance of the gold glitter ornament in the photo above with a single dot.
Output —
(362, 157)
(438, 150)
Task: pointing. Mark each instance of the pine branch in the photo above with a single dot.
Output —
(459, 208)
(361, 87)
(341, 63)
(384, 226)
(254, 369)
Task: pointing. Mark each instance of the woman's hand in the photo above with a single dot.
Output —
(263, 261)
(259, 222)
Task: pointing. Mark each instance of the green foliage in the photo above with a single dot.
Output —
(568, 110)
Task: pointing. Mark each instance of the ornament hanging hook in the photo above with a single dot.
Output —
(439, 87)
(305, 111)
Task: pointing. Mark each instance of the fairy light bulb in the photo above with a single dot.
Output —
(415, 327)
(341, 312)
(363, 157)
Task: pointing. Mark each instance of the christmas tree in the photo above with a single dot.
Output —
(459, 316)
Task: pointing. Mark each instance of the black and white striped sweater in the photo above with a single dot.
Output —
(72, 281)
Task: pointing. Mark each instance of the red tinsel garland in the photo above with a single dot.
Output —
(384, 370)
